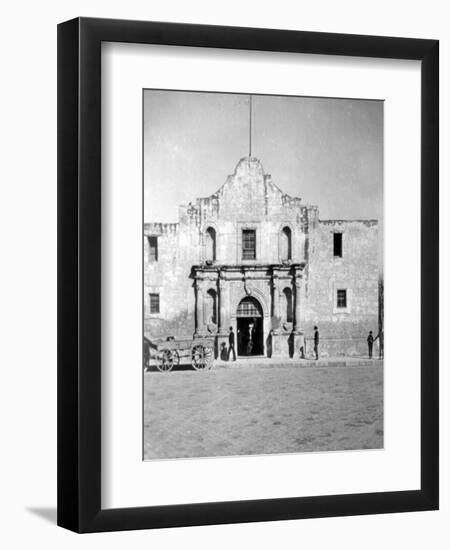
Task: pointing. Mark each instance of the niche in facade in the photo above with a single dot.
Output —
(286, 244)
(287, 314)
(210, 245)
(211, 307)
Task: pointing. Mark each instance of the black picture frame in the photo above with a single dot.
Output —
(79, 274)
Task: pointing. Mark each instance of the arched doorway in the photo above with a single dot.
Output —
(250, 327)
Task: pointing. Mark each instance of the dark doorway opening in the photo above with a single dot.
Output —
(250, 328)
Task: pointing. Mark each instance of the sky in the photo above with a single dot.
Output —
(327, 151)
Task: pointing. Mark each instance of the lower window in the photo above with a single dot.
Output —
(341, 298)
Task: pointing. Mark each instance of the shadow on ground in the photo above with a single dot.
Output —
(45, 513)
(180, 367)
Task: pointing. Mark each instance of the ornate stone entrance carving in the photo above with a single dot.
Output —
(231, 285)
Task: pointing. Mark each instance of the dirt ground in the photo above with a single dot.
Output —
(248, 410)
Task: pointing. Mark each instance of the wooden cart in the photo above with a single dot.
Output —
(199, 352)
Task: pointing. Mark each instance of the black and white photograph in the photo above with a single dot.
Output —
(263, 318)
(226, 266)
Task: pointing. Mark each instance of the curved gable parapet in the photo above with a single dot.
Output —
(249, 166)
(249, 191)
(247, 194)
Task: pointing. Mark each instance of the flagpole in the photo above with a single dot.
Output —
(250, 128)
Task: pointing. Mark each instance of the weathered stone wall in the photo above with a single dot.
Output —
(342, 331)
(249, 199)
(170, 278)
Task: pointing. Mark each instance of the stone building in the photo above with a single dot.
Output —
(256, 259)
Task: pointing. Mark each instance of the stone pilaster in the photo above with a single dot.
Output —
(199, 307)
(275, 332)
(223, 315)
(276, 296)
(221, 306)
(297, 311)
(206, 306)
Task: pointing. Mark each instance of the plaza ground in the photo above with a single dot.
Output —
(262, 407)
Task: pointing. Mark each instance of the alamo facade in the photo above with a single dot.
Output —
(250, 253)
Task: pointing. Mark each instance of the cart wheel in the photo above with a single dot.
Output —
(202, 358)
(166, 360)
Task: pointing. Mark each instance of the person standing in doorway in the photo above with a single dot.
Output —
(370, 344)
(250, 339)
(231, 344)
(316, 342)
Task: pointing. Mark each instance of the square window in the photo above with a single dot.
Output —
(248, 244)
(341, 298)
(153, 249)
(154, 303)
(337, 245)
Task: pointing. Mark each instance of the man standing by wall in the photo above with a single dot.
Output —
(316, 342)
(231, 344)
(370, 344)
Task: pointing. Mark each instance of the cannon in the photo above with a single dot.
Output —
(167, 354)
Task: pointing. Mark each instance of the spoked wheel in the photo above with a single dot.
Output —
(202, 358)
(167, 360)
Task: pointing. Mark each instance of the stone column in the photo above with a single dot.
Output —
(297, 288)
(199, 307)
(276, 296)
(275, 332)
(221, 303)
(223, 317)
(206, 305)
